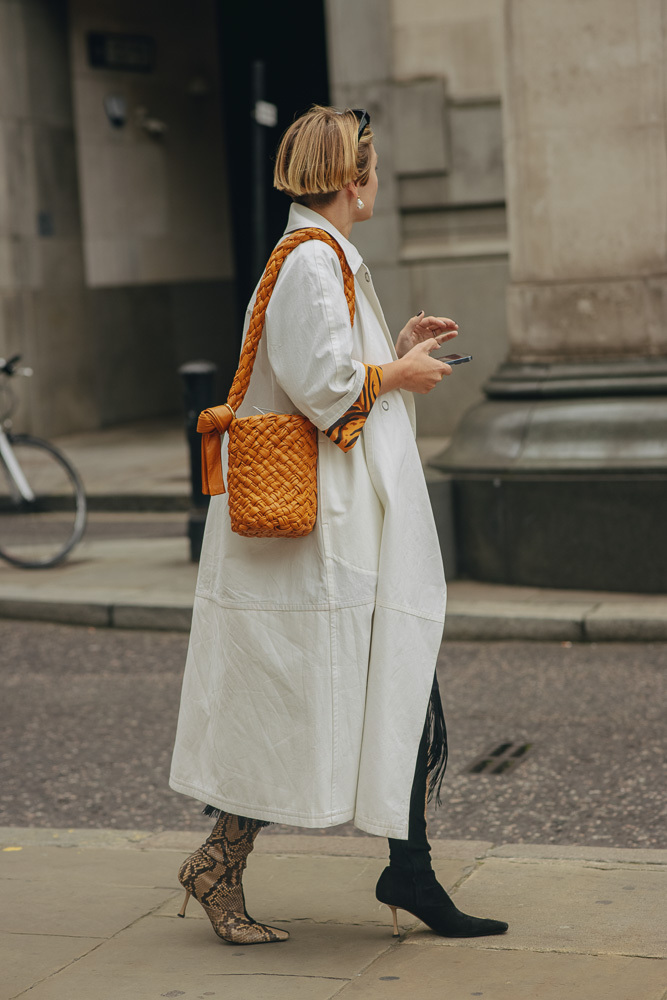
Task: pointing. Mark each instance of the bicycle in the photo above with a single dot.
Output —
(42, 499)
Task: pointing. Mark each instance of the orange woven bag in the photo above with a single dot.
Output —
(272, 467)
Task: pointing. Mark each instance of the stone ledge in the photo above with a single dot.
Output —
(34, 836)
(485, 621)
(538, 622)
(324, 845)
(572, 852)
(609, 623)
(159, 617)
(61, 612)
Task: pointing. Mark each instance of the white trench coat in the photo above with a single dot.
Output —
(311, 660)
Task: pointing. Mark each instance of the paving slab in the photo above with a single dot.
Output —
(455, 974)
(115, 571)
(565, 906)
(135, 869)
(78, 909)
(146, 457)
(97, 909)
(158, 958)
(27, 958)
(316, 888)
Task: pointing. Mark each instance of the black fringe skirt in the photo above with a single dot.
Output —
(437, 743)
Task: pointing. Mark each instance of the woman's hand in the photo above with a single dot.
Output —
(421, 328)
(416, 371)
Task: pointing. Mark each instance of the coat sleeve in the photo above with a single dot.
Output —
(309, 343)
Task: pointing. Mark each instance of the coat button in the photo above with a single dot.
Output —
(385, 404)
(367, 276)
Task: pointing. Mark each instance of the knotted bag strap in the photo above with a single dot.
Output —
(214, 421)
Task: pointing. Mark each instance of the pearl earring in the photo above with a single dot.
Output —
(360, 204)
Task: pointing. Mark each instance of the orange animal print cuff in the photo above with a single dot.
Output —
(347, 429)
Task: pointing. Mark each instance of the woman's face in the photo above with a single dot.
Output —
(368, 191)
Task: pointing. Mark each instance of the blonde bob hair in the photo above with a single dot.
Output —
(319, 155)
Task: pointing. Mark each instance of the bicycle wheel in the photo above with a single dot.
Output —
(39, 533)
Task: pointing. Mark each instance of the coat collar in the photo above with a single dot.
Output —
(301, 217)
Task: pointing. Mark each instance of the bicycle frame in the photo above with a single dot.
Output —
(17, 478)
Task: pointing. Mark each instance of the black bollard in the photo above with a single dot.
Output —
(198, 394)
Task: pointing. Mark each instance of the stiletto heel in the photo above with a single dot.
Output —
(393, 913)
(181, 912)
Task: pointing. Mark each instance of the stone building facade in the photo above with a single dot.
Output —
(118, 259)
(115, 249)
(126, 193)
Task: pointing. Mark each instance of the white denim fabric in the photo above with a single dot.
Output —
(311, 660)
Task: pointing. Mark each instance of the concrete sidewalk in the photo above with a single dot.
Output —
(140, 471)
(93, 914)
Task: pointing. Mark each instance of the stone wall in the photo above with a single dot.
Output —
(429, 71)
(115, 258)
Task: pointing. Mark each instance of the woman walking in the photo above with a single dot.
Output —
(309, 695)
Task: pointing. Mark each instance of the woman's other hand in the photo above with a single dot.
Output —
(421, 328)
(416, 371)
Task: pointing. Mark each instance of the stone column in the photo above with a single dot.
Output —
(562, 473)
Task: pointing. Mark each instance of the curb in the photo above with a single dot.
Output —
(160, 618)
(531, 623)
(328, 845)
(137, 503)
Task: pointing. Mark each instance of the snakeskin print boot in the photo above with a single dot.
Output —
(213, 876)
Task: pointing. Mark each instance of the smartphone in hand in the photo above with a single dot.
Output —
(453, 359)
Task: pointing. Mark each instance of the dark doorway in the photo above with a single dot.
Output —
(290, 39)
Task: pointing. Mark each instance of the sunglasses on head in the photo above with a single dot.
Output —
(364, 120)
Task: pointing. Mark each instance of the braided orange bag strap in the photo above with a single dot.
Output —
(216, 419)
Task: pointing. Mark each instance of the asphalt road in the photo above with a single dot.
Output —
(88, 717)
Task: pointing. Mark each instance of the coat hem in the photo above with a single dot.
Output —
(397, 832)
(254, 812)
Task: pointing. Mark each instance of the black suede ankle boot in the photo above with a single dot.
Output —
(421, 894)
(409, 882)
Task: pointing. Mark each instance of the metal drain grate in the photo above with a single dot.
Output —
(500, 758)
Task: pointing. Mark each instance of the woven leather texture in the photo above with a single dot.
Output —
(272, 476)
(272, 471)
